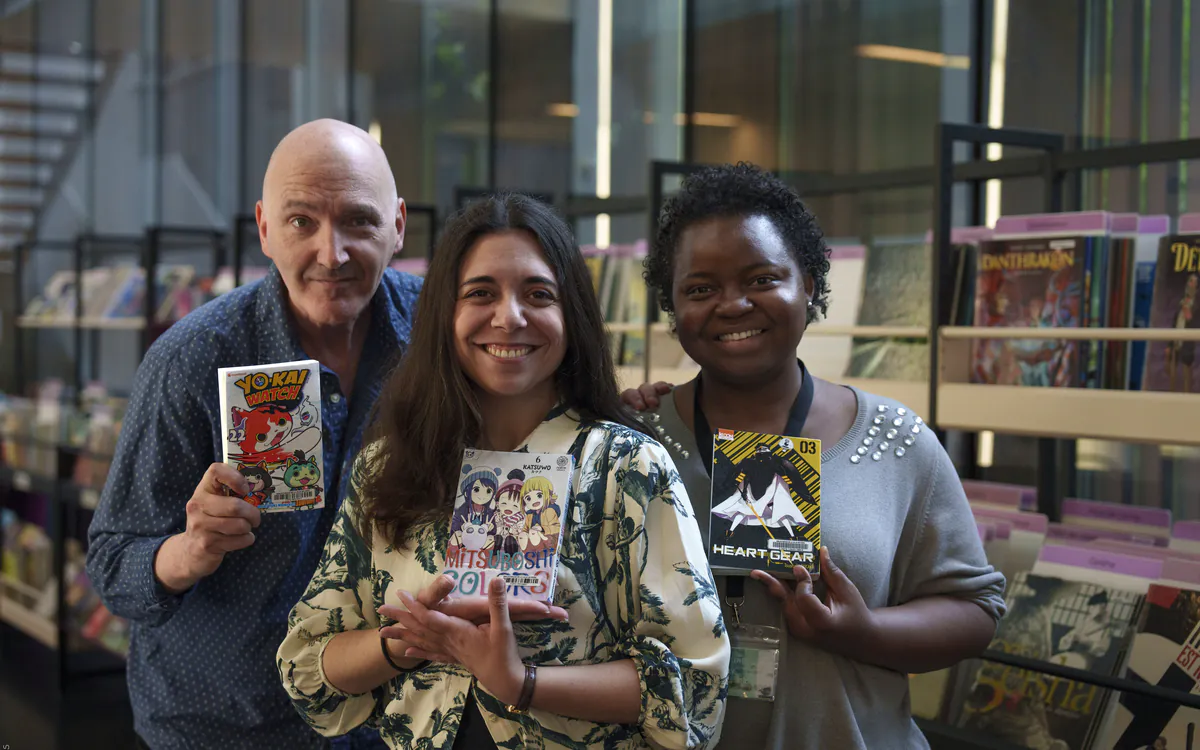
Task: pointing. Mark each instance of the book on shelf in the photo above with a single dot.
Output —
(829, 356)
(894, 293)
(1170, 365)
(1057, 621)
(507, 521)
(271, 420)
(1165, 653)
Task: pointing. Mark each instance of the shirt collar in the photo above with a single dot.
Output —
(278, 340)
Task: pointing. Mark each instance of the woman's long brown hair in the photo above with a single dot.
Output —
(428, 411)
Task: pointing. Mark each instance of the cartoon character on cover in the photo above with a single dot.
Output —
(1002, 700)
(475, 534)
(763, 493)
(302, 473)
(542, 526)
(510, 518)
(1184, 352)
(477, 496)
(260, 483)
(267, 434)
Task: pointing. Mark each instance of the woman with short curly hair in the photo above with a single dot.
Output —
(740, 266)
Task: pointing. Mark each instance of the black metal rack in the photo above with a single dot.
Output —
(69, 504)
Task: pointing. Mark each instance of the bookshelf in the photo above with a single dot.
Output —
(1125, 416)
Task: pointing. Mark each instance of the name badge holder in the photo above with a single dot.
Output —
(754, 651)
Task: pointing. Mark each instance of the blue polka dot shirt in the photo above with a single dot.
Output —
(201, 665)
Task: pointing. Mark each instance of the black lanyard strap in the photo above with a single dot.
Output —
(735, 586)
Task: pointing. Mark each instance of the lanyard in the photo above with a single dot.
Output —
(735, 586)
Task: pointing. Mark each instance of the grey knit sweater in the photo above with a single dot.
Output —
(900, 527)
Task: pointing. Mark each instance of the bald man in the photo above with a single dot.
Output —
(206, 582)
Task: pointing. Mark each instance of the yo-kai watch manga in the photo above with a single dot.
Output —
(271, 420)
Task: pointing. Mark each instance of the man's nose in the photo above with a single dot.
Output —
(332, 250)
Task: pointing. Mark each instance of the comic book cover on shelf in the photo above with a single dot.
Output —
(894, 293)
(1069, 623)
(1036, 282)
(507, 521)
(271, 419)
(1170, 365)
(1166, 653)
(766, 503)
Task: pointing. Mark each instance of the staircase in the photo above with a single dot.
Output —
(44, 104)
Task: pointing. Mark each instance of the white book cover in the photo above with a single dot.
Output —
(271, 421)
(509, 514)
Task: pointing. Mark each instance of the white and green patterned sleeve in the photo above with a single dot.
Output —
(667, 612)
(333, 603)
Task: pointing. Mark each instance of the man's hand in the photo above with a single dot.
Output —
(645, 396)
(217, 524)
(838, 626)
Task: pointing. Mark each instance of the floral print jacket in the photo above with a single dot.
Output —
(632, 576)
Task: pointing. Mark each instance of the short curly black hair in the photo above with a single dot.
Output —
(740, 189)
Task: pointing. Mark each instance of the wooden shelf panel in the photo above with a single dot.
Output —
(1124, 416)
(21, 588)
(117, 324)
(1072, 334)
(869, 332)
(24, 619)
(913, 394)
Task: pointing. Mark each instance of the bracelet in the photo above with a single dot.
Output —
(388, 655)
(522, 704)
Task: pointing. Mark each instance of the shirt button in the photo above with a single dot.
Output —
(336, 398)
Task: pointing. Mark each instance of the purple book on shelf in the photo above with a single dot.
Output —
(1035, 523)
(1181, 570)
(1145, 521)
(1016, 496)
(1186, 530)
(1102, 560)
(1078, 533)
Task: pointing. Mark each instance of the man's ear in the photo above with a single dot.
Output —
(260, 218)
(401, 224)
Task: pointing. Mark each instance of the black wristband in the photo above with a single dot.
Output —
(388, 655)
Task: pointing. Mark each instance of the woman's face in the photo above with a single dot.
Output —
(508, 321)
(534, 500)
(481, 494)
(739, 296)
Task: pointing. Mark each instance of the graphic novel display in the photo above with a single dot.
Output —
(766, 503)
(1035, 282)
(507, 521)
(893, 265)
(271, 418)
(1170, 365)
(1166, 653)
(1069, 623)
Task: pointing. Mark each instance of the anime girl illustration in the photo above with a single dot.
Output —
(260, 483)
(763, 494)
(510, 518)
(473, 535)
(542, 524)
(477, 497)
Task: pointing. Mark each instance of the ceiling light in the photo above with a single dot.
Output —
(915, 56)
(562, 109)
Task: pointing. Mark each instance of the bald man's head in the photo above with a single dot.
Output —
(322, 142)
(330, 219)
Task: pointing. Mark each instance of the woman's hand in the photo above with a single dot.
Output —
(489, 650)
(837, 626)
(475, 609)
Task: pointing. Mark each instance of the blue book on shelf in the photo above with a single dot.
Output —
(1143, 287)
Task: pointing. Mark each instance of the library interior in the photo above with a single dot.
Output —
(955, 154)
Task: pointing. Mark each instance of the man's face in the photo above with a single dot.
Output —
(330, 222)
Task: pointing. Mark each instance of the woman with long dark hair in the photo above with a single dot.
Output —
(509, 353)
(741, 269)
